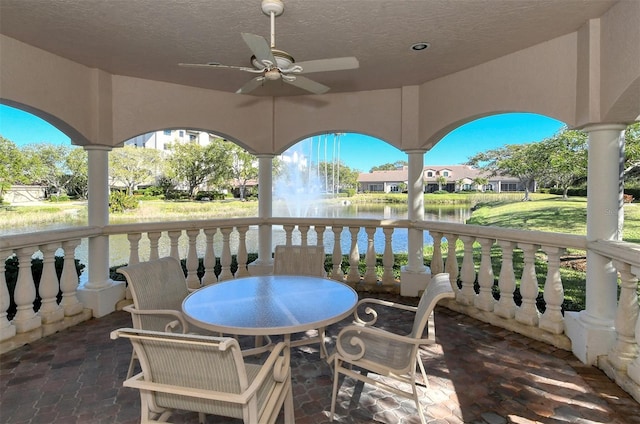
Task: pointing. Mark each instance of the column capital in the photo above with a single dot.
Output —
(98, 147)
(415, 151)
(604, 127)
(265, 155)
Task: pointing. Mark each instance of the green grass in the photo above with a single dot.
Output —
(551, 215)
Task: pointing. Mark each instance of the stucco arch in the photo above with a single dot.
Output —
(322, 133)
(75, 136)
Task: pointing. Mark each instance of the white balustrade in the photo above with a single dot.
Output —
(50, 311)
(485, 301)
(506, 307)
(528, 313)
(552, 319)
(7, 330)
(466, 296)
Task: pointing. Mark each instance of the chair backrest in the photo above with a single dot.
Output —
(299, 260)
(191, 362)
(438, 288)
(156, 284)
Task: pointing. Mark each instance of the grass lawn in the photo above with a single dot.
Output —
(551, 215)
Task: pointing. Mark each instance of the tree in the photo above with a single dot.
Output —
(565, 156)
(390, 166)
(480, 182)
(344, 176)
(632, 151)
(45, 164)
(78, 178)
(441, 180)
(12, 165)
(522, 161)
(244, 167)
(132, 166)
(195, 165)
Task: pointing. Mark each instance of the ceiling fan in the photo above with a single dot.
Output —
(272, 64)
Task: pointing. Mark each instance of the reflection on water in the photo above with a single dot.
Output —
(119, 245)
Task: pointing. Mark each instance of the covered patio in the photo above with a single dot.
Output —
(478, 374)
(104, 74)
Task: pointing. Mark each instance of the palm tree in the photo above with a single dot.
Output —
(480, 182)
(441, 180)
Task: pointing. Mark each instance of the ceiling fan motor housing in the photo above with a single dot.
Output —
(272, 6)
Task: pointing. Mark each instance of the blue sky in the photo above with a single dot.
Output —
(356, 150)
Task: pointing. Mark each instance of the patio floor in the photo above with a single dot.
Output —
(477, 374)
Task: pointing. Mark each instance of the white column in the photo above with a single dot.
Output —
(264, 264)
(99, 293)
(98, 208)
(592, 331)
(415, 276)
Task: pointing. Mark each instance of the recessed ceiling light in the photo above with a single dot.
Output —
(420, 46)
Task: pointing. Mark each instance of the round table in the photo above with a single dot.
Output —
(270, 305)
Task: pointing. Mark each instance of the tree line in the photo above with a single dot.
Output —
(187, 167)
(559, 161)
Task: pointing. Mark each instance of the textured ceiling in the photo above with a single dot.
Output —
(147, 38)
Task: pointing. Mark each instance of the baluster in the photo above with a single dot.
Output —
(241, 256)
(467, 294)
(506, 307)
(370, 276)
(209, 260)
(552, 319)
(7, 330)
(485, 301)
(388, 280)
(288, 234)
(48, 288)
(304, 231)
(25, 294)
(633, 368)
(134, 247)
(354, 257)
(527, 313)
(192, 262)
(336, 258)
(320, 235)
(154, 239)
(174, 239)
(451, 264)
(69, 280)
(225, 259)
(437, 265)
(626, 347)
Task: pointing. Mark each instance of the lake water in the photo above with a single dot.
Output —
(119, 245)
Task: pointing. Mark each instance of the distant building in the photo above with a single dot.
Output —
(454, 178)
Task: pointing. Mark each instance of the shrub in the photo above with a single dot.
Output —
(120, 202)
(349, 192)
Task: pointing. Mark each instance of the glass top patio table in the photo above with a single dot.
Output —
(269, 305)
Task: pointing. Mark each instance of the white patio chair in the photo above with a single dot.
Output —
(299, 260)
(387, 354)
(208, 375)
(158, 288)
(307, 261)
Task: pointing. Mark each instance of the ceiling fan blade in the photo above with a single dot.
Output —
(259, 47)
(307, 84)
(325, 65)
(218, 65)
(250, 86)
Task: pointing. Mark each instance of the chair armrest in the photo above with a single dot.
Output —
(352, 334)
(276, 366)
(373, 313)
(179, 318)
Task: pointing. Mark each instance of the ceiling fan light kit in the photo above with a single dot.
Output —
(272, 64)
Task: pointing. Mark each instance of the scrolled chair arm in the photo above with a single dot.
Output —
(368, 310)
(352, 335)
